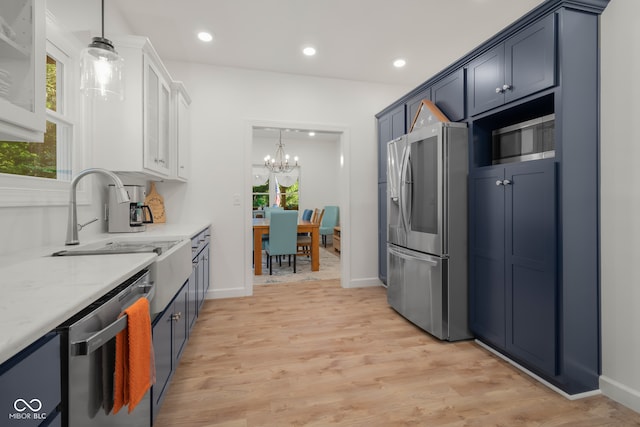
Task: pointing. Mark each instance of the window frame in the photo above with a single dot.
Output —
(19, 190)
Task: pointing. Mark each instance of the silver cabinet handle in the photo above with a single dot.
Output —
(506, 182)
(499, 183)
(498, 90)
(176, 316)
(506, 87)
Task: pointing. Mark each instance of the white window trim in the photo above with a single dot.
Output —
(16, 190)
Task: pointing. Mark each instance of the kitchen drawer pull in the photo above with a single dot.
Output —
(98, 339)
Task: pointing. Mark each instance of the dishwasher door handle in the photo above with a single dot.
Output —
(98, 339)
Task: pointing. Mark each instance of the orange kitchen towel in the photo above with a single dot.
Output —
(134, 371)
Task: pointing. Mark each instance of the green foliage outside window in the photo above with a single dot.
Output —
(289, 197)
(261, 196)
(35, 158)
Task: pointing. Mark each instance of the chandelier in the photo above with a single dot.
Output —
(280, 162)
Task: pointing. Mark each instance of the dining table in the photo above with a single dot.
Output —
(261, 227)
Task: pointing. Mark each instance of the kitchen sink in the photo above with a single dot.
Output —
(169, 271)
(119, 247)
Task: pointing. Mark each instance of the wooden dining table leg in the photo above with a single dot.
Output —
(315, 249)
(257, 251)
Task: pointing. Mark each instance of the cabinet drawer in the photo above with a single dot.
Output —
(30, 385)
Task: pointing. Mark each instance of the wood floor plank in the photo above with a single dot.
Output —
(315, 354)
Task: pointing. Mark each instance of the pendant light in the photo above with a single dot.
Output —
(102, 69)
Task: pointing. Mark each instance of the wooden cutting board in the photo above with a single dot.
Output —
(156, 203)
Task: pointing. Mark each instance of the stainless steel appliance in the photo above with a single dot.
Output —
(88, 357)
(128, 217)
(530, 140)
(427, 229)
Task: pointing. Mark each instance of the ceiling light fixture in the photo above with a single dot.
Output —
(280, 162)
(205, 36)
(312, 133)
(102, 69)
(309, 51)
(399, 63)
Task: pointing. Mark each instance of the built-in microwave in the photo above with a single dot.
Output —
(530, 140)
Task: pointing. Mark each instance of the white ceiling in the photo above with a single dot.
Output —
(355, 39)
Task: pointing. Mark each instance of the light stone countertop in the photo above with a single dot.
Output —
(39, 292)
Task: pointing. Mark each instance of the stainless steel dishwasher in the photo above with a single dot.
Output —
(88, 357)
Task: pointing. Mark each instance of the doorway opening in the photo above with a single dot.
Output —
(321, 179)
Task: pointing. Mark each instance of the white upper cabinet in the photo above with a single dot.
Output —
(22, 70)
(157, 99)
(136, 135)
(181, 131)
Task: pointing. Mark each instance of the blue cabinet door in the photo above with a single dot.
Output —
(487, 293)
(163, 358)
(30, 384)
(485, 78)
(382, 232)
(530, 60)
(413, 104)
(530, 259)
(192, 297)
(448, 95)
(180, 324)
(390, 126)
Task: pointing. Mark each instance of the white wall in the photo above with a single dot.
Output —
(620, 202)
(225, 103)
(319, 168)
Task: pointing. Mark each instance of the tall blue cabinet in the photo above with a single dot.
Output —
(534, 259)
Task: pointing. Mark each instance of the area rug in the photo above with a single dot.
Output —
(329, 269)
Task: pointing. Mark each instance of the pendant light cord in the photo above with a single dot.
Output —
(102, 18)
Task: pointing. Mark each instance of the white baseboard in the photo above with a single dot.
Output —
(364, 283)
(227, 293)
(620, 393)
(539, 379)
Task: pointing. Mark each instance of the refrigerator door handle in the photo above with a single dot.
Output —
(412, 255)
(405, 181)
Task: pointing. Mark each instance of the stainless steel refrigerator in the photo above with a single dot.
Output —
(427, 229)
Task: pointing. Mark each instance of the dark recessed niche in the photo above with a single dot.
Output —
(483, 128)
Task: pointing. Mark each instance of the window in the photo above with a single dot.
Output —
(38, 173)
(51, 158)
(275, 189)
(287, 193)
(261, 196)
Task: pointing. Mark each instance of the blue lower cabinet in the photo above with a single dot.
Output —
(30, 384)
(170, 336)
(513, 288)
(163, 358)
(171, 328)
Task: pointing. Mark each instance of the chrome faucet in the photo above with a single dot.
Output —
(72, 226)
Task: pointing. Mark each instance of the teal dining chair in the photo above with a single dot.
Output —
(267, 215)
(283, 237)
(329, 220)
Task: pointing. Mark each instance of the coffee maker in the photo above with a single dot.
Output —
(128, 217)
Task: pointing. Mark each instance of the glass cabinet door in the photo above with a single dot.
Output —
(22, 70)
(156, 119)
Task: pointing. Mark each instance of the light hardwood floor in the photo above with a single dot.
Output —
(314, 354)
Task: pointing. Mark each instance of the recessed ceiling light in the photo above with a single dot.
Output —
(205, 36)
(312, 134)
(399, 63)
(309, 51)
